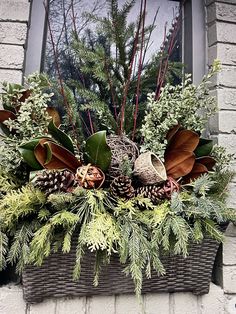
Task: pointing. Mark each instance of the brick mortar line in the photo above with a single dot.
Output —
(228, 65)
(11, 44)
(11, 69)
(220, 87)
(226, 133)
(221, 42)
(225, 43)
(14, 21)
(210, 24)
(226, 86)
(221, 2)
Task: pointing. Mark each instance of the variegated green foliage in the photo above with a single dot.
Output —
(31, 119)
(186, 104)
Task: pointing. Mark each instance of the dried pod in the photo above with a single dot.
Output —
(89, 177)
(149, 169)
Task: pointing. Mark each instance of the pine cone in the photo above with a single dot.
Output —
(122, 186)
(158, 193)
(153, 192)
(52, 181)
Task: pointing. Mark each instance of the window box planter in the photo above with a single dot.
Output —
(54, 277)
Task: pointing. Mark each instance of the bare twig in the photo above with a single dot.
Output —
(68, 109)
(74, 17)
(127, 84)
(163, 68)
(111, 88)
(140, 67)
(150, 34)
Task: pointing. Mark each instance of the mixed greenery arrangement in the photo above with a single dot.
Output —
(159, 202)
(134, 178)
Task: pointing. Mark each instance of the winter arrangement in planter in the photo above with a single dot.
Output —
(110, 200)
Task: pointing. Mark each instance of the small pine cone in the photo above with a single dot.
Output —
(121, 186)
(153, 192)
(52, 181)
(158, 193)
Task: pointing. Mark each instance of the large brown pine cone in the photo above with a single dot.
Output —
(122, 187)
(52, 181)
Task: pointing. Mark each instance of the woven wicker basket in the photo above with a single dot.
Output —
(54, 277)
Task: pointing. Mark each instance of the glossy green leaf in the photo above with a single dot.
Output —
(204, 147)
(61, 137)
(97, 152)
(27, 153)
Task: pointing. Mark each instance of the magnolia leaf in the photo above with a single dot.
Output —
(55, 116)
(27, 153)
(53, 156)
(172, 132)
(61, 137)
(6, 114)
(179, 163)
(184, 140)
(97, 152)
(207, 161)
(197, 171)
(49, 153)
(204, 147)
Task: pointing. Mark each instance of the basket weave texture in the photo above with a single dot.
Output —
(54, 277)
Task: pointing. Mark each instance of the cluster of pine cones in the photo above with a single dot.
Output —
(121, 186)
(64, 181)
(53, 181)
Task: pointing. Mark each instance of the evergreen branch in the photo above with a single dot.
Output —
(3, 247)
(212, 230)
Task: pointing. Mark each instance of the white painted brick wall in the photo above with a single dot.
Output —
(230, 304)
(14, 15)
(11, 57)
(222, 12)
(13, 33)
(15, 11)
(162, 303)
(226, 98)
(224, 52)
(222, 32)
(221, 40)
(11, 300)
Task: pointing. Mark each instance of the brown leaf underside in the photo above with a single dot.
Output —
(61, 157)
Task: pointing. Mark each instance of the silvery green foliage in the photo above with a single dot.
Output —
(187, 104)
(32, 119)
(222, 157)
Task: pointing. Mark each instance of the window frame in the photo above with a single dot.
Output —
(194, 56)
(36, 42)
